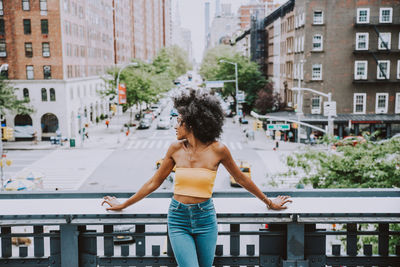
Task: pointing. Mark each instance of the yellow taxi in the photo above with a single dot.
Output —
(244, 166)
(159, 162)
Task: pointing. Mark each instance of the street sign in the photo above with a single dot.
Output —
(281, 127)
(330, 108)
(240, 97)
(122, 93)
(214, 84)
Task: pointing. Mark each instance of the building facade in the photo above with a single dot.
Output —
(58, 51)
(350, 49)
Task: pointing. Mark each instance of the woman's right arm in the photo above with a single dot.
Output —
(150, 186)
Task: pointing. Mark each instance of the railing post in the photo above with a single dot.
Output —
(351, 244)
(38, 241)
(314, 247)
(55, 249)
(108, 240)
(140, 240)
(69, 245)
(6, 242)
(295, 245)
(272, 247)
(87, 248)
(234, 240)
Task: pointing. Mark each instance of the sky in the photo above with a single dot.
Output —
(192, 18)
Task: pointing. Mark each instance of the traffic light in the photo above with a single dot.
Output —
(7, 133)
(259, 125)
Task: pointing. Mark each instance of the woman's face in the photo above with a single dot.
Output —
(180, 129)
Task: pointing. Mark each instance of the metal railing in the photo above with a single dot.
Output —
(72, 229)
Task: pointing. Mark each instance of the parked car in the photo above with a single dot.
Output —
(163, 123)
(149, 115)
(174, 112)
(350, 141)
(156, 110)
(145, 123)
(243, 120)
(244, 166)
(124, 239)
(159, 162)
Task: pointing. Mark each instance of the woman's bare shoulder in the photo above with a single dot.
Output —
(219, 147)
(176, 145)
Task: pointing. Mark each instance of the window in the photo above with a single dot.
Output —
(385, 15)
(3, 51)
(359, 103)
(362, 41)
(28, 50)
(360, 70)
(316, 105)
(316, 72)
(383, 69)
(318, 17)
(26, 5)
(43, 5)
(25, 93)
(362, 15)
(27, 26)
(52, 94)
(44, 94)
(381, 105)
(45, 49)
(29, 72)
(398, 69)
(384, 41)
(397, 107)
(44, 25)
(1, 8)
(317, 42)
(2, 28)
(47, 72)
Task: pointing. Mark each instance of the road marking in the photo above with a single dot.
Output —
(130, 145)
(151, 144)
(239, 145)
(144, 144)
(137, 145)
(166, 144)
(159, 144)
(232, 146)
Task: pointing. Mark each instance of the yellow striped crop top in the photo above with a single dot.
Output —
(195, 182)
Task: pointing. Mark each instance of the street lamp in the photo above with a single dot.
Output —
(119, 73)
(236, 81)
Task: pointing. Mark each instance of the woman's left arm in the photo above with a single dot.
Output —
(227, 160)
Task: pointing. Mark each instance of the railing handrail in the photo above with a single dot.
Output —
(353, 192)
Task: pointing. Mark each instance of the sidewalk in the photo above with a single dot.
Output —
(99, 137)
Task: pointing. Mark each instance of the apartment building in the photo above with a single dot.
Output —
(58, 51)
(350, 49)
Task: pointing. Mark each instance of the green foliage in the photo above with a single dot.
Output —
(367, 165)
(250, 78)
(10, 102)
(147, 82)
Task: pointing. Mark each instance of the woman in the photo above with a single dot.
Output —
(192, 224)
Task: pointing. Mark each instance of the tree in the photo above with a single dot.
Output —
(250, 78)
(267, 100)
(10, 102)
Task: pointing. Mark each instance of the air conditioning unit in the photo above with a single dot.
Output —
(380, 110)
(1, 12)
(316, 111)
(46, 54)
(290, 104)
(3, 54)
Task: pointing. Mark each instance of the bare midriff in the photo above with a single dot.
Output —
(189, 199)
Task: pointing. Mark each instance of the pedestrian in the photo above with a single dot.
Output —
(290, 135)
(191, 221)
(312, 138)
(107, 123)
(35, 138)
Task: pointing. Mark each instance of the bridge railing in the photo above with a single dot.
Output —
(72, 229)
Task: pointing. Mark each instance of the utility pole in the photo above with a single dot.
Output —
(236, 81)
(5, 67)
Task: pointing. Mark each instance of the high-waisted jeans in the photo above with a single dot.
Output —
(193, 232)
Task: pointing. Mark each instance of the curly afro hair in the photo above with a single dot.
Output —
(202, 114)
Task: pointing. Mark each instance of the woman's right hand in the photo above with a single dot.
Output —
(113, 202)
(279, 202)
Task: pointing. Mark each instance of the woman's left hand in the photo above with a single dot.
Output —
(279, 202)
(113, 202)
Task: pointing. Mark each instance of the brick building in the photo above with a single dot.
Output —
(57, 51)
(348, 48)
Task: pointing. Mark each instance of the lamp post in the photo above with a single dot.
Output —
(236, 81)
(5, 67)
(119, 73)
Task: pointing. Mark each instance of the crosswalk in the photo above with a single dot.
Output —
(157, 144)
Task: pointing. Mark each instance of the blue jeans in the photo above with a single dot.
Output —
(193, 232)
